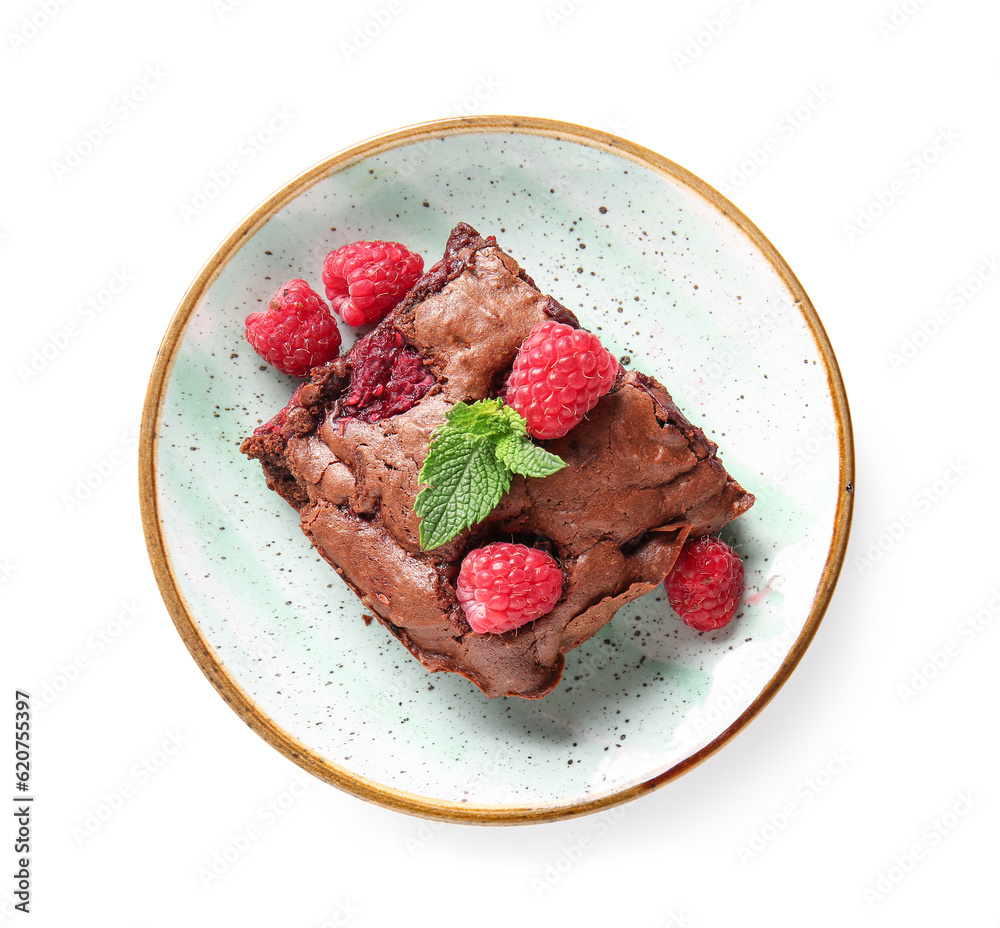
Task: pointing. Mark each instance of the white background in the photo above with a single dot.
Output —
(861, 137)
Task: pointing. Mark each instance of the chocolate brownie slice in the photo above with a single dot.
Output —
(347, 450)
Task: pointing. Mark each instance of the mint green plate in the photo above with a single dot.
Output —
(670, 275)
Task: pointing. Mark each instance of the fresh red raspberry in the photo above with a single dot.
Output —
(504, 586)
(559, 375)
(706, 583)
(296, 332)
(366, 279)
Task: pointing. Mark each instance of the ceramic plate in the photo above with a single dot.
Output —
(678, 283)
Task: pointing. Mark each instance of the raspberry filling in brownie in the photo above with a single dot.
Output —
(638, 478)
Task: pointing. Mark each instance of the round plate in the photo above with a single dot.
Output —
(674, 279)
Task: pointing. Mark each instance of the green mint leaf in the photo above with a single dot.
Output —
(482, 419)
(466, 481)
(513, 422)
(468, 468)
(523, 457)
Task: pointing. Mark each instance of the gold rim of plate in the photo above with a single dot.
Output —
(185, 622)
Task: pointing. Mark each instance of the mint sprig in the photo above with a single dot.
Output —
(473, 456)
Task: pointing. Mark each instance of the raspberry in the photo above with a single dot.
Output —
(296, 332)
(366, 279)
(559, 375)
(389, 376)
(706, 583)
(504, 586)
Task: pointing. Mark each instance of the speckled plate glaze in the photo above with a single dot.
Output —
(678, 283)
